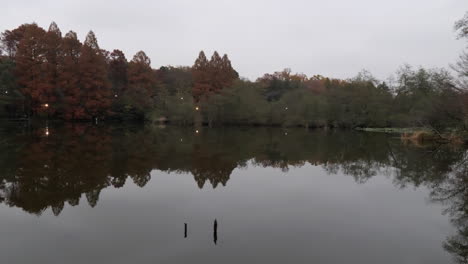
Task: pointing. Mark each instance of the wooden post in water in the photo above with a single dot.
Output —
(215, 232)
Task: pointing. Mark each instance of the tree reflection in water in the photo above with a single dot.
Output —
(46, 170)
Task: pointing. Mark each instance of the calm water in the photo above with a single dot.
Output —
(115, 194)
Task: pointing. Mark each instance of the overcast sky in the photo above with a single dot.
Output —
(336, 38)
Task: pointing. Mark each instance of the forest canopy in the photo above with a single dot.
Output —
(45, 74)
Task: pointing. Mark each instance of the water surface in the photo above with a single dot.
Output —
(79, 193)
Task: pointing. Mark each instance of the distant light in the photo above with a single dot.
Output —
(46, 105)
(181, 140)
(286, 108)
(47, 131)
(116, 96)
(286, 133)
(196, 131)
(6, 92)
(181, 98)
(197, 108)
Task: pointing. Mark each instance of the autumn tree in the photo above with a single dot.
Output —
(10, 40)
(212, 76)
(221, 72)
(141, 84)
(215, 73)
(69, 77)
(230, 75)
(30, 60)
(201, 77)
(94, 82)
(118, 67)
(52, 48)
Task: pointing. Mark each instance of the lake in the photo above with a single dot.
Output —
(78, 193)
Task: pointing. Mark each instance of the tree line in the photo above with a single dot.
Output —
(45, 74)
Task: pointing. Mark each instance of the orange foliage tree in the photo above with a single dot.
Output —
(213, 76)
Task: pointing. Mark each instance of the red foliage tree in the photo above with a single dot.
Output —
(10, 39)
(213, 76)
(216, 74)
(30, 60)
(52, 48)
(118, 67)
(201, 77)
(69, 77)
(141, 80)
(94, 82)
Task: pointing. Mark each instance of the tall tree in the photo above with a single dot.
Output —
(52, 46)
(69, 77)
(461, 67)
(118, 67)
(201, 77)
(10, 39)
(229, 72)
(212, 76)
(30, 60)
(94, 82)
(216, 73)
(141, 82)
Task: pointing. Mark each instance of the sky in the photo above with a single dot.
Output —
(334, 38)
